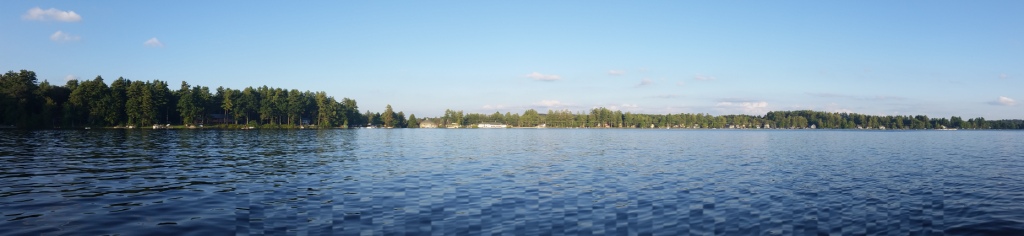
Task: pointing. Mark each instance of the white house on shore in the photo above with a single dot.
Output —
(491, 125)
(428, 124)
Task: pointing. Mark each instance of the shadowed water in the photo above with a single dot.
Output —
(512, 182)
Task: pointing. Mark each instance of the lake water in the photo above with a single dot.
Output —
(511, 182)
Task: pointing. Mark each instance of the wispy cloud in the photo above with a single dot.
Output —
(704, 78)
(1004, 101)
(829, 95)
(543, 77)
(885, 98)
(834, 107)
(624, 106)
(1003, 76)
(743, 105)
(60, 36)
(645, 82)
(616, 72)
(735, 100)
(153, 42)
(491, 107)
(51, 14)
(70, 78)
(680, 83)
(847, 96)
(665, 96)
(549, 103)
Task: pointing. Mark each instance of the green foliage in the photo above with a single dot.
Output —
(27, 103)
(400, 120)
(19, 100)
(388, 118)
(116, 100)
(413, 122)
(605, 118)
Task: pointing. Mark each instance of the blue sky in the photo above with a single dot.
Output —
(936, 58)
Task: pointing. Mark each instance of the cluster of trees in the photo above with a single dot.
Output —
(26, 103)
(605, 118)
(390, 119)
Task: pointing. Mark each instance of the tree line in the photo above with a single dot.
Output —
(605, 118)
(27, 103)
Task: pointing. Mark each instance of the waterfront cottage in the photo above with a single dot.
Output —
(428, 124)
(491, 125)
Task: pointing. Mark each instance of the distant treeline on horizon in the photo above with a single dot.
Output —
(26, 103)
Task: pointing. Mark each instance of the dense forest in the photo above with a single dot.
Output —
(27, 103)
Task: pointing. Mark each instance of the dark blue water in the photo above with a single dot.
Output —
(512, 182)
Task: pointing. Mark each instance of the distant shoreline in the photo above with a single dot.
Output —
(152, 104)
(181, 127)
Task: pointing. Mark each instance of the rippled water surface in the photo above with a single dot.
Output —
(517, 182)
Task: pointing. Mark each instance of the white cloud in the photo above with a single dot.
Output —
(616, 72)
(51, 14)
(70, 78)
(622, 107)
(704, 78)
(680, 83)
(543, 77)
(491, 107)
(153, 42)
(1003, 76)
(1004, 101)
(549, 103)
(60, 36)
(748, 107)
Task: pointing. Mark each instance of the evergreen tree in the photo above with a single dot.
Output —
(413, 123)
(388, 118)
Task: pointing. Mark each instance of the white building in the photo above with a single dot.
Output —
(491, 125)
(428, 124)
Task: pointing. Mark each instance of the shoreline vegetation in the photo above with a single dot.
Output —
(26, 103)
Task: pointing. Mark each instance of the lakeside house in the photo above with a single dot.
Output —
(428, 124)
(491, 125)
